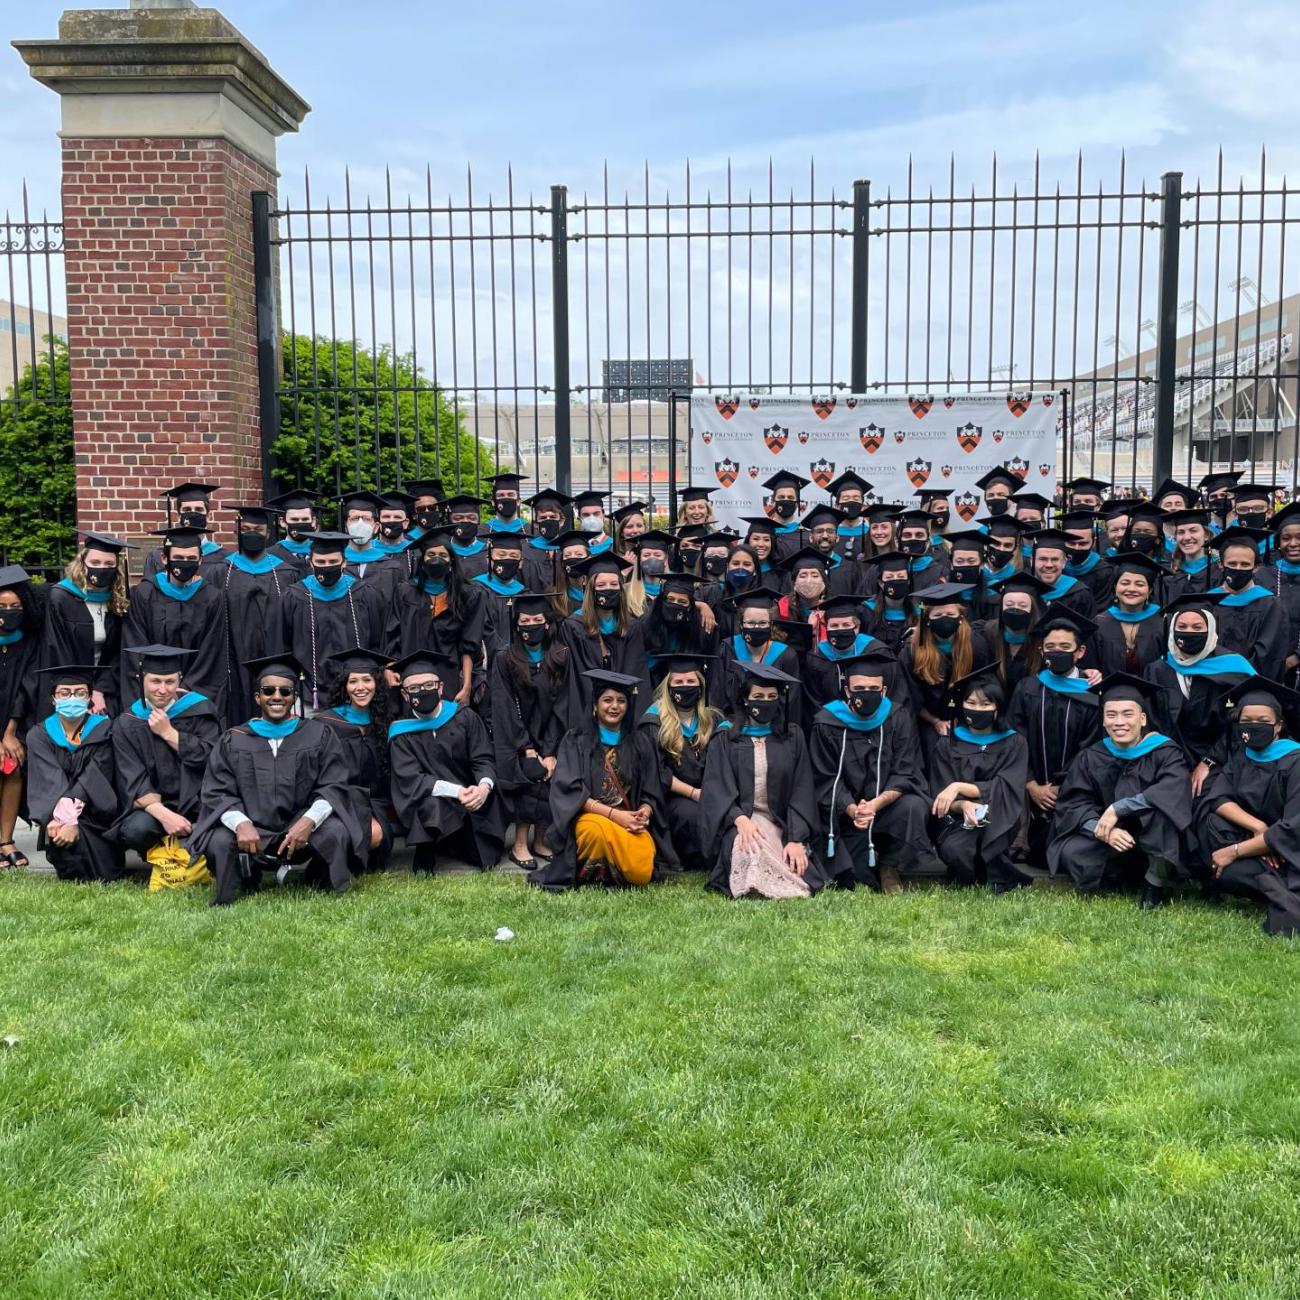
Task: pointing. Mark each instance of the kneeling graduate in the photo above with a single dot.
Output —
(275, 796)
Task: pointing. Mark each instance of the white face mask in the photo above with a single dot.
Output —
(360, 531)
(591, 524)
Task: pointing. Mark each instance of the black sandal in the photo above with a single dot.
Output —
(15, 860)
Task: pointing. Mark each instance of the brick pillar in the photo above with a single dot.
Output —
(169, 125)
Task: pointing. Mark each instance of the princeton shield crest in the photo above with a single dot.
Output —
(1044, 470)
(920, 406)
(707, 436)
(948, 403)
(754, 403)
(999, 434)
(1019, 403)
(967, 505)
(946, 471)
(823, 406)
(918, 471)
(727, 406)
(1019, 466)
(871, 438)
(968, 436)
(899, 436)
(851, 403)
(726, 471)
(776, 436)
(1048, 398)
(803, 435)
(753, 471)
(822, 471)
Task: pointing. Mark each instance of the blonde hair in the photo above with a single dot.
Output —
(120, 600)
(671, 739)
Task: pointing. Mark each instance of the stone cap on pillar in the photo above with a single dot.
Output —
(164, 72)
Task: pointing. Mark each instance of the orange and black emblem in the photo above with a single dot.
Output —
(1048, 398)
(1019, 466)
(967, 505)
(823, 406)
(776, 436)
(1019, 403)
(754, 403)
(999, 434)
(822, 471)
(948, 403)
(727, 406)
(946, 471)
(726, 471)
(920, 406)
(968, 436)
(1044, 470)
(918, 472)
(871, 438)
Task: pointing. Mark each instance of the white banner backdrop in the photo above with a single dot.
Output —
(898, 444)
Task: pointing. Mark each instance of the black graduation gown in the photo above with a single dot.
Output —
(727, 679)
(1196, 721)
(411, 627)
(471, 566)
(458, 751)
(146, 765)
(1099, 580)
(823, 682)
(301, 564)
(1000, 769)
(69, 638)
(1056, 727)
(617, 653)
(1271, 792)
(933, 697)
(273, 789)
(685, 825)
(988, 633)
(579, 771)
(1078, 600)
(528, 715)
(367, 779)
(1286, 589)
(1097, 779)
(1258, 631)
(497, 630)
(1109, 652)
(541, 569)
(155, 563)
(252, 617)
(728, 793)
(1179, 582)
(197, 624)
(312, 630)
(18, 681)
(84, 772)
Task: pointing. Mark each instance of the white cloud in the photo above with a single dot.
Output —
(1241, 57)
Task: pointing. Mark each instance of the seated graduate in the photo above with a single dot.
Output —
(675, 623)
(499, 585)
(941, 650)
(20, 645)
(1125, 801)
(161, 747)
(70, 791)
(871, 788)
(1248, 816)
(1191, 679)
(443, 777)
(977, 776)
(1130, 632)
(891, 612)
(681, 724)
(608, 821)
(753, 642)
(360, 711)
(843, 641)
(1252, 622)
(759, 803)
(526, 693)
(275, 796)
(1057, 713)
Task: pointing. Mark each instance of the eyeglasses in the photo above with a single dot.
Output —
(283, 692)
(71, 693)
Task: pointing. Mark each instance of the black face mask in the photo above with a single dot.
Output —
(1237, 579)
(1256, 735)
(1060, 662)
(427, 518)
(714, 566)
(865, 703)
(193, 519)
(1220, 506)
(435, 569)
(763, 711)
(784, 509)
(1252, 518)
(688, 557)
(532, 635)
(10, 621)
(464, 533)
(684, 697)
(392, 531)
(997, 506)
(253, 543)
(1142, 543)
(425, 702)
(944, 626)
(756, 635)
(852, 508)
(979, 719)
(675, 614)
(842, 638)
(506, 507)
(653, 567)
(505, 569)
(549, 528)
(299, 532)
(1077, 554)
(999, 559)
(896, 588)
(572, 569)
(941, 519)
(100, 579)
(1015, 620)
(328, 577)
(183, 571)
(912, 546)
(1191, 643)
(965, 573)
(607, 598)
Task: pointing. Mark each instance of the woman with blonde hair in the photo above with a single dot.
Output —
(696, 509)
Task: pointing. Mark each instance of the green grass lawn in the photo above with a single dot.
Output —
(645, 1094)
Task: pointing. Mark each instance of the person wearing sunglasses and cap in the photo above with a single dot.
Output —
(275, 798)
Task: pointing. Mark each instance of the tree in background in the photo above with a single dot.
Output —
(342, 409)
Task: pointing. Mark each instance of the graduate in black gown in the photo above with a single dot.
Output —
(1126, 801)
(299, 511)
(609, 822)
(963, 563)
(253, 581)
(821, 526)
(20, 643)
(869, 779)
(550, 516)
(784, 509)
(469, 548)
(977, 777)
(926, 565)
(328, 612)
(1083, 560)
(1252, 621)
(181, 605)
(682, 724)
(1008, 634)
(498, 585)
(759, 802)
(83, 619)
(844, 641)
(1130, 632)
(753, 642)
(70, 791)
(1048, 560)
(1286, 579)
(443, 776)
(891, 612)
(360, 712)
(275, 797)
(526, 696)
(674, 623)
(1192, 564)
(1058, 715)
(849, 493)
(192, 504)
(1248, 816)
(161, 747)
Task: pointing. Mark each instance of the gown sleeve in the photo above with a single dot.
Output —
(720, 793)
(1283, 837)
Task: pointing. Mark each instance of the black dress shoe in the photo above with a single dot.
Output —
(1153, 896)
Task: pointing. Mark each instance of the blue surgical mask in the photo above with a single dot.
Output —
(72, 708)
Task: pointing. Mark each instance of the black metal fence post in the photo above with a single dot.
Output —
(861, 253)
(560, 329)
(1162, 464)
(268, 343)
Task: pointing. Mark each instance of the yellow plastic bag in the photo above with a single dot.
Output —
(173, 868)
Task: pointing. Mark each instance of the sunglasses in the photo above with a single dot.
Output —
(284, 692)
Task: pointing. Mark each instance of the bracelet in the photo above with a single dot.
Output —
(1236, 852)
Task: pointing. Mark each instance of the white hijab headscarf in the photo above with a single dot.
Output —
(1211, 645)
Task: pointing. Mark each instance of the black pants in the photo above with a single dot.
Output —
(898, 835)
(1092, 864)
(326, 856)
(139, 831)
(962, 852)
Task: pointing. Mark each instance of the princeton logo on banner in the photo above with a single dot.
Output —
(898, 444)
